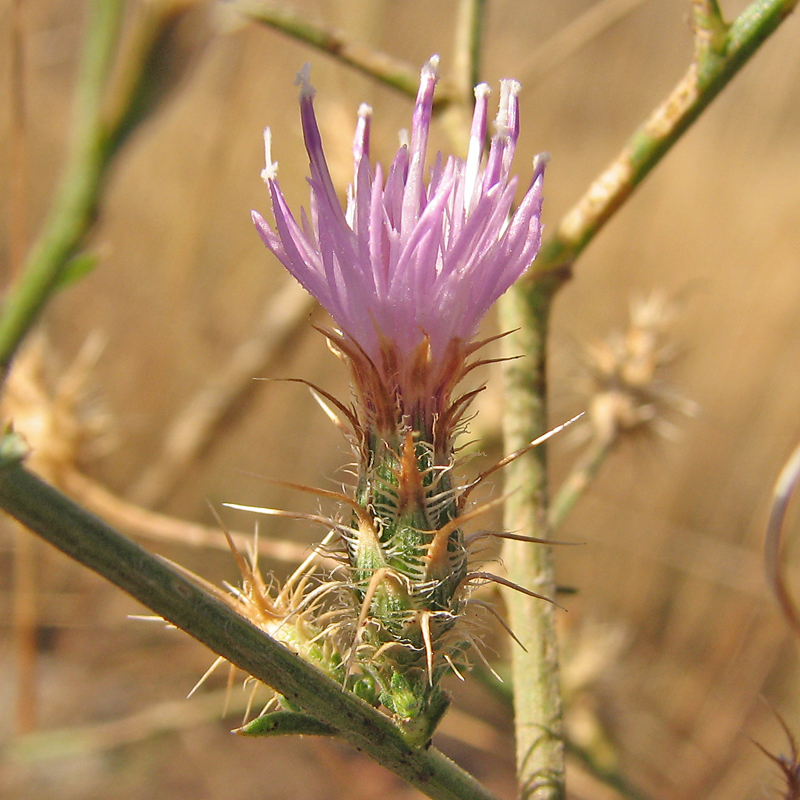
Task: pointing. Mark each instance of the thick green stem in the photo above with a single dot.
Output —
(171, 595)
(720, 52)
(75, 205)
(537, 696)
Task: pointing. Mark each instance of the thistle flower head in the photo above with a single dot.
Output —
(409, 268)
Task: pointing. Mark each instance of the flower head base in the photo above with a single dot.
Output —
(409, 269)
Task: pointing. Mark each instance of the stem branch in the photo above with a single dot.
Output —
(720, 52)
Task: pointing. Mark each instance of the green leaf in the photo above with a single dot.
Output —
(76, 268)
(283, 723)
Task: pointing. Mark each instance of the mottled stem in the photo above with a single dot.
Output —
(720, 52)
(537, 696)
(171, 595)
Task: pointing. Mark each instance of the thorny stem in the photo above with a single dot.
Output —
(169, 594)
(76, 201)
(720, 52)
(379, 66)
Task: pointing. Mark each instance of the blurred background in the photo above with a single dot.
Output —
(674, 651)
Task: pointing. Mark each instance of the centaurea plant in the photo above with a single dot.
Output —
(407, 272)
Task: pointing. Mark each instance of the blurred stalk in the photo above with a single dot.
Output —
(710, 30)
(18, 212)
(565, 42)
(468, 47)
(377, 65)
(610, 777)
(578, 481)
(76, 201)
(773, 547)
(196, 425)
(24, 581)
(178, 600)
(456, 108)
(143, 78)
(720, 52)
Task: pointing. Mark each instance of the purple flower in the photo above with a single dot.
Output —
(409, 263)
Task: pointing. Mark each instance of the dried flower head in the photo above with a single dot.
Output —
(54, 414)
(625, 374)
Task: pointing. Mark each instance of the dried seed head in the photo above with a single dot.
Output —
(624, 374)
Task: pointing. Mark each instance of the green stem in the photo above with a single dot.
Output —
(537, 698)
(169, 594)
(721, 51)
(380, 66)
(76, 202)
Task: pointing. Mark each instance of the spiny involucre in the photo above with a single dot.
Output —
(407, 271)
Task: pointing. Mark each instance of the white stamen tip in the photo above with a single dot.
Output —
(303, 80)
(507, 94)
(364, 111)
(403, 136)
(482, 90)
(512, 87)
(270, 171)
(540, 161)
(431, 68)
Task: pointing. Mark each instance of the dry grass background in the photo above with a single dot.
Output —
(673, 638)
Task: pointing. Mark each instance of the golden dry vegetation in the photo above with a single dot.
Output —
(672, 641)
